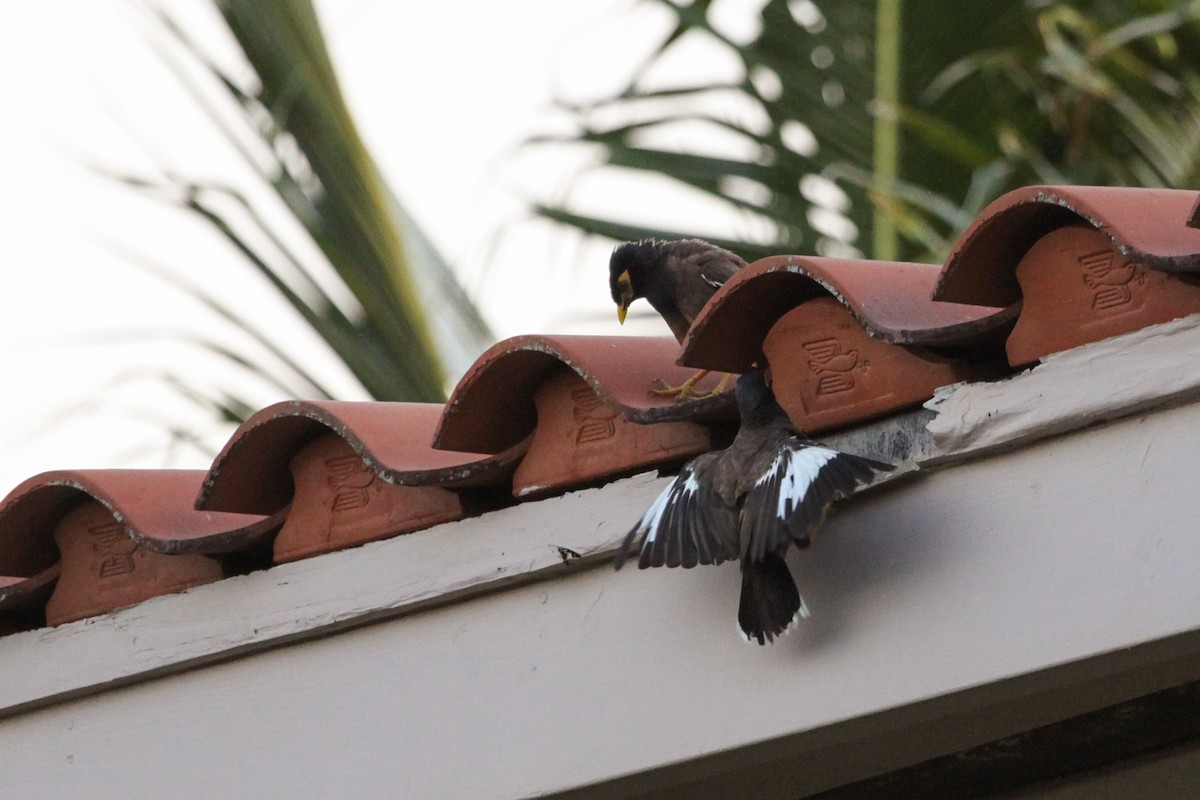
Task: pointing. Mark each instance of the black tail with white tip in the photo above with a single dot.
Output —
(770, 600)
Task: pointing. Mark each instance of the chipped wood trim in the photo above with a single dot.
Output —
(1105, 380)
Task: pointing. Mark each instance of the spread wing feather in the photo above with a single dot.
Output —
(789, 500)
(688, 524)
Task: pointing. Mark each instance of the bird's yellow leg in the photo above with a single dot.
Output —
(687, 389)
(683, 391)
(726, 377)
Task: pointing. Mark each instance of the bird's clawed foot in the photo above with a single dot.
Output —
(687, 390)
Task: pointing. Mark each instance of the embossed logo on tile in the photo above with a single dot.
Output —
(113, 548)
(833, 365)
(340, 501)
(351, 480)
(829, 372)
(594, 421)
(1112, 281)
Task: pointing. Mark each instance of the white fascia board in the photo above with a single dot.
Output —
(948, 610)
(1070, 390)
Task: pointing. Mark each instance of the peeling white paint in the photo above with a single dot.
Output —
(1067, 391)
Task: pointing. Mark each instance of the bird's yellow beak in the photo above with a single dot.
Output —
(625, 289)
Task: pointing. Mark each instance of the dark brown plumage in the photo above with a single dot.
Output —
(768, 490)
(677, 278)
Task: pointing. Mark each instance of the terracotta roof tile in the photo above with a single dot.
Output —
(104, 569)
(31, 592)
(1148, 226)
(251, 474)
(827, 371)
(23, 600)
(493, 406)
(154, 505)
(341, 501)
(1078, 288)
(123, 535)
(890, 300)
(579, 440)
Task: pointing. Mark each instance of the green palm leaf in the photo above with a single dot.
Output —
(919, 113)
(411, 321)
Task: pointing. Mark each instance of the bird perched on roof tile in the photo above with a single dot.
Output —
(768, 490)
(677, 278)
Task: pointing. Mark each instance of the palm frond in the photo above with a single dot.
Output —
(976, 99)
(410, 320)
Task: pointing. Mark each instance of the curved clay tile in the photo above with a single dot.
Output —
(123, 536)
(27, 592)
(829, 373)
(252, 472)
(493, 407)
(154, 507)
(890, 300)
(1077, 288)
(1148, 226)
(580, 441)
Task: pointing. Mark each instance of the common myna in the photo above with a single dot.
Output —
(677, 278)
(768, 490)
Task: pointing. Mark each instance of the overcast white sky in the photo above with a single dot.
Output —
(442, 93)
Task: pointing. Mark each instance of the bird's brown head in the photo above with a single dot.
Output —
(628, 268)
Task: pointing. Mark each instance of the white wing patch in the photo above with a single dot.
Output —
(649, 521)
(797, 469)
(686, 525)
